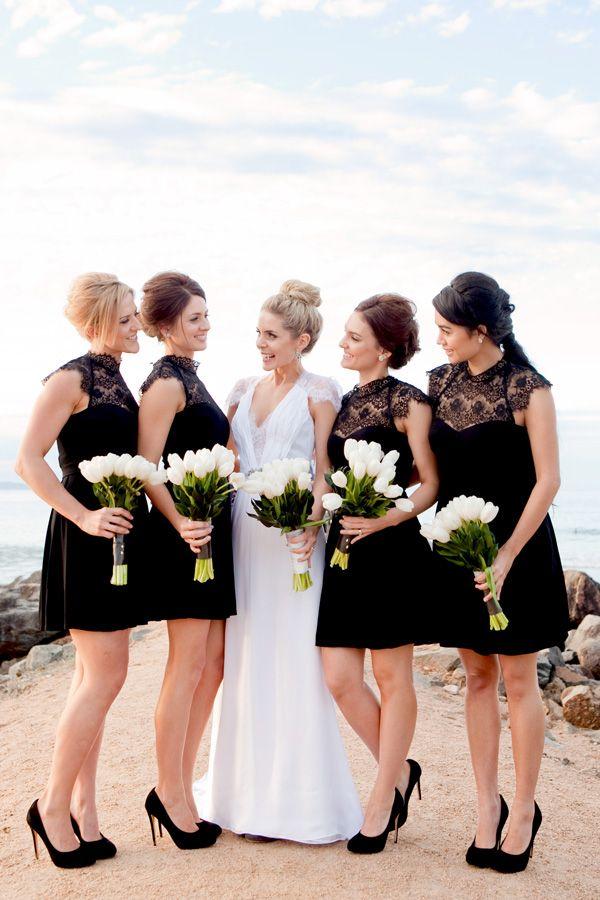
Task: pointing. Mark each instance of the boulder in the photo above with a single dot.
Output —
(589, 629)
(19, 625)
(43, 654)
(437, 659)
(553, 690)
(571, 675)
(555, 656)
(583, 594)
(581, 705)
(589, 657)
(545, 670)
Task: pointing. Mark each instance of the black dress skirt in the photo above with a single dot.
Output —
(75, 590)
(480, 450)
(174, 594)
(378, 602)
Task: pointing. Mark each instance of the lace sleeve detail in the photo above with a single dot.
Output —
(81, 365)
(324, 390)
(402, 394)
(437, 381)
(521, 384)
(238, 391)
(161, 369)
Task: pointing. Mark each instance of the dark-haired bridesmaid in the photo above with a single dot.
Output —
(377, 603)
(177, 414)
(494, 436)
(87, 408)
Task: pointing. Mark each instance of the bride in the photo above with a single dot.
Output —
(277, 765)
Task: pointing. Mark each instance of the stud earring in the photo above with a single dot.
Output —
(382, 357)
(481, 339)
(298, 354)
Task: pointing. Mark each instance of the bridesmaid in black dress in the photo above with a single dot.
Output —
(494, 436)
(177, 414)
(87, 408)
(375, 603)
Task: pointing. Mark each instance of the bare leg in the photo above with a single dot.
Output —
(185, 665)
(202, 704)
(527, 734)
(104, 658)
(344, 674)
(393, 674)
(482, 712)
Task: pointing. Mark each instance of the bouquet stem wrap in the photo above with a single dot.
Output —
(301, 579)
(341, 555)
(119, 573)
(498, 620)
(204, 570)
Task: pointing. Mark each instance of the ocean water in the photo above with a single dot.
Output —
(575, 512)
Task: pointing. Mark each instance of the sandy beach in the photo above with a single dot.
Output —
(428, 860)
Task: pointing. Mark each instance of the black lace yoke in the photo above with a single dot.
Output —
(184, 370)
(375, 405)
(462, 400)
(101, 380)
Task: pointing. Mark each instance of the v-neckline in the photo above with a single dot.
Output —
(251, 414)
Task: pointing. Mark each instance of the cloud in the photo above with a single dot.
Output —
(60, 16)
(426, 13)
(454, 26)
(573, 37)
(334, 9)
(150, 33)
(353, 9)
(538, 5)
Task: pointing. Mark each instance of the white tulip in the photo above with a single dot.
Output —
(175, 475)
(90, 471)
(220, 454)
(373, 467)
(390, 458)
(459, 505)
(426, 530)
(159, 476)
(200, 469)
(109, 463)
(474, 507)
(404, 504)
(121, 463)
(360, 469)
(380, 485)
(273, 488)
(388, 473)
(174, 459)
(253, 485)
(440, 534)
(189, 460)
(339, 479)
(237, 479)
(304, 481)
(489, 512)
(393, 491)
(331, 502)
(449, 518)
(205, 459)
(132, 468)
(350, 447)
(226, 468)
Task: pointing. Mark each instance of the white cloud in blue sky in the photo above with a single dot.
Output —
(361, 144)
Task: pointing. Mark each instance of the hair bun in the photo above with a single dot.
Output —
(301, 291)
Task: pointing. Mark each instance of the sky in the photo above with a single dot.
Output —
(361, 145)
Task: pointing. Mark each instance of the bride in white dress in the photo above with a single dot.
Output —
(277, 765)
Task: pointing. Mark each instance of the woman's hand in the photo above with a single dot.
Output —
(500, 569)
(360, 528)
(196, 534)
(106, 522)
(303, 545)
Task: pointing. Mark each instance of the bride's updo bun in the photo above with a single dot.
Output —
(296, 303)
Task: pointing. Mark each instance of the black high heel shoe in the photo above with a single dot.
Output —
(361, 843)
(482, 856)
(100, 849)
(517, 862)
(414, 779)
(184, 840)
(210, 828)
(63, 859)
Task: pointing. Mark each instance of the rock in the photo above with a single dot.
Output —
(571, 675)
(589, 657)
(553, 691)
(452, 688)
(583, 595)
(553, 708)
(581, 706)
(589, 629)
(555, 656)
(545, 670)
(17, 669)
(42, 655)
(139, 634)
(68, 651)
(19, 625)
(569, 656)
(437, 659)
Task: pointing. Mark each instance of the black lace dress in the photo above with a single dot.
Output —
(76, 591)
(481, 450)
(377, 603)
(174, 594)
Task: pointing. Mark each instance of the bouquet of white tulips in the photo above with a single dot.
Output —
(118, 481)
(201, 487)
(363, 488)
(461, 534)
(285, 501)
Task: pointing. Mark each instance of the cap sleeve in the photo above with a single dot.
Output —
(161, 369)
(324, 390)
(437, 381)
(402, 394)
(238, 390)
(521, 384)
(82, 365)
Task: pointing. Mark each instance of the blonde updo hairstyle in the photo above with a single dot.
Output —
(93, 305)
(296, 303)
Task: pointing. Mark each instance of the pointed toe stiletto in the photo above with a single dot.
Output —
(482, 856)
(184, 840)
(414, 780)
(100, 849)
(363, 844)
(517, 862)
(62, 859)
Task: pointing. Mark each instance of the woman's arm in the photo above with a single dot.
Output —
(540, 421)
(158, 407)
(61, 397)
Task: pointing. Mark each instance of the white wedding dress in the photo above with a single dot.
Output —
(277, 764)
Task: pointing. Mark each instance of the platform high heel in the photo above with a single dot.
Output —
(62, 859)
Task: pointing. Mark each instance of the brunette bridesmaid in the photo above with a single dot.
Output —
(494, 436)
(87, 408)
(177, 414)
(377, 602)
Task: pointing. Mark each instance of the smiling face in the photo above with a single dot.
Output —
(458, 342)
(188, 334)
(124, 338)
(360, 346)
(277, 345)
